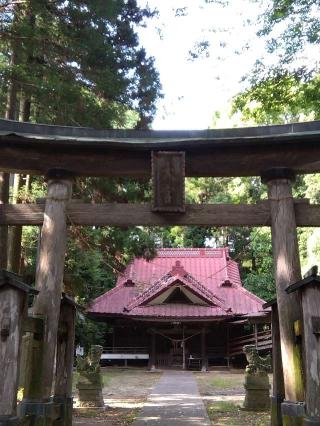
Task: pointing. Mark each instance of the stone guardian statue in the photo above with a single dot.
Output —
(90, 383)
(256, 384)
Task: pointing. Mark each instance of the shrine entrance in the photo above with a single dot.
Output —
(276, 153)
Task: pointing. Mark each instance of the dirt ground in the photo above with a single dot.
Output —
(223, 396)
(126, 389)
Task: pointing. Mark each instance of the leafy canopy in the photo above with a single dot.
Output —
(284, 84)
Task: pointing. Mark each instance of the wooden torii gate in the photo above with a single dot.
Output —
(276, 153)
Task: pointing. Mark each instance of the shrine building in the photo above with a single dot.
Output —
(186, 308)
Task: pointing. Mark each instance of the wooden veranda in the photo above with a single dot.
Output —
(276, 153)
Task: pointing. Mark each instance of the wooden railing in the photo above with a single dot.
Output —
(261, 340)
(126, 350)
(162, 360)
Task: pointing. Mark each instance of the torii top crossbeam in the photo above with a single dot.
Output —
(35, 149)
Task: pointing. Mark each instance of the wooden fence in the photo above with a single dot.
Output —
(126, 350)
(261, 340)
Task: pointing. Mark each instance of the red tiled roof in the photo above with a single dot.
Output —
(207, 272)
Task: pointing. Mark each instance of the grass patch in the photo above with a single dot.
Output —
(88, 414)
(227, 413)
(226, 382)
(131, 417)
(223, 407)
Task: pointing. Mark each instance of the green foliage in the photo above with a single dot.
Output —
(89, 332)
(299, 23)
(226, 381)
(287, 90)
(78, 63)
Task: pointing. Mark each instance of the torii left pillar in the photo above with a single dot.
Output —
(49, 278)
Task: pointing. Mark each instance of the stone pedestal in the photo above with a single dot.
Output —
(257, 392)
(90, 390)
(293, 413)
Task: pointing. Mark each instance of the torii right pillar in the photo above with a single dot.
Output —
(287, 271)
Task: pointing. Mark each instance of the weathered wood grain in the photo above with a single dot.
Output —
(49, 276)
(141, 214)
(228, 158)
(65, 351)
(12, 310)
(287, 271)
(168, 173)
(278, 383)
(311, 334)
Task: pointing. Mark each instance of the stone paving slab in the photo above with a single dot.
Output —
(174, 400)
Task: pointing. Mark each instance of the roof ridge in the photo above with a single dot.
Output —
(232, 266)
(192, 251)
(141, 296)
(112, 290)
(169, 279)
(203, 288)
(250, 294)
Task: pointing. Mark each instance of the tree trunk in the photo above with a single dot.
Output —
(15, 232)
(25, 109)
(12, 95)
(11, 114)
(11, 109)
(4, 198)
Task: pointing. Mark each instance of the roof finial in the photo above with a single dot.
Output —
(178, 269)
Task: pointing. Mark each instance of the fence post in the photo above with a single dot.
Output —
(278, 383)
(152, 359)
(65, 358)
(204, 354)
(13, 310)
(309, 291)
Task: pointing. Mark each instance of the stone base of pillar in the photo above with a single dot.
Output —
(9, 421)
(48, 412)
(66, 408)
(293, 413)
(311, 421)
(276, 416)
(257, 393)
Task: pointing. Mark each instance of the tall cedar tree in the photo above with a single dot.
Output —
(77, 62)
